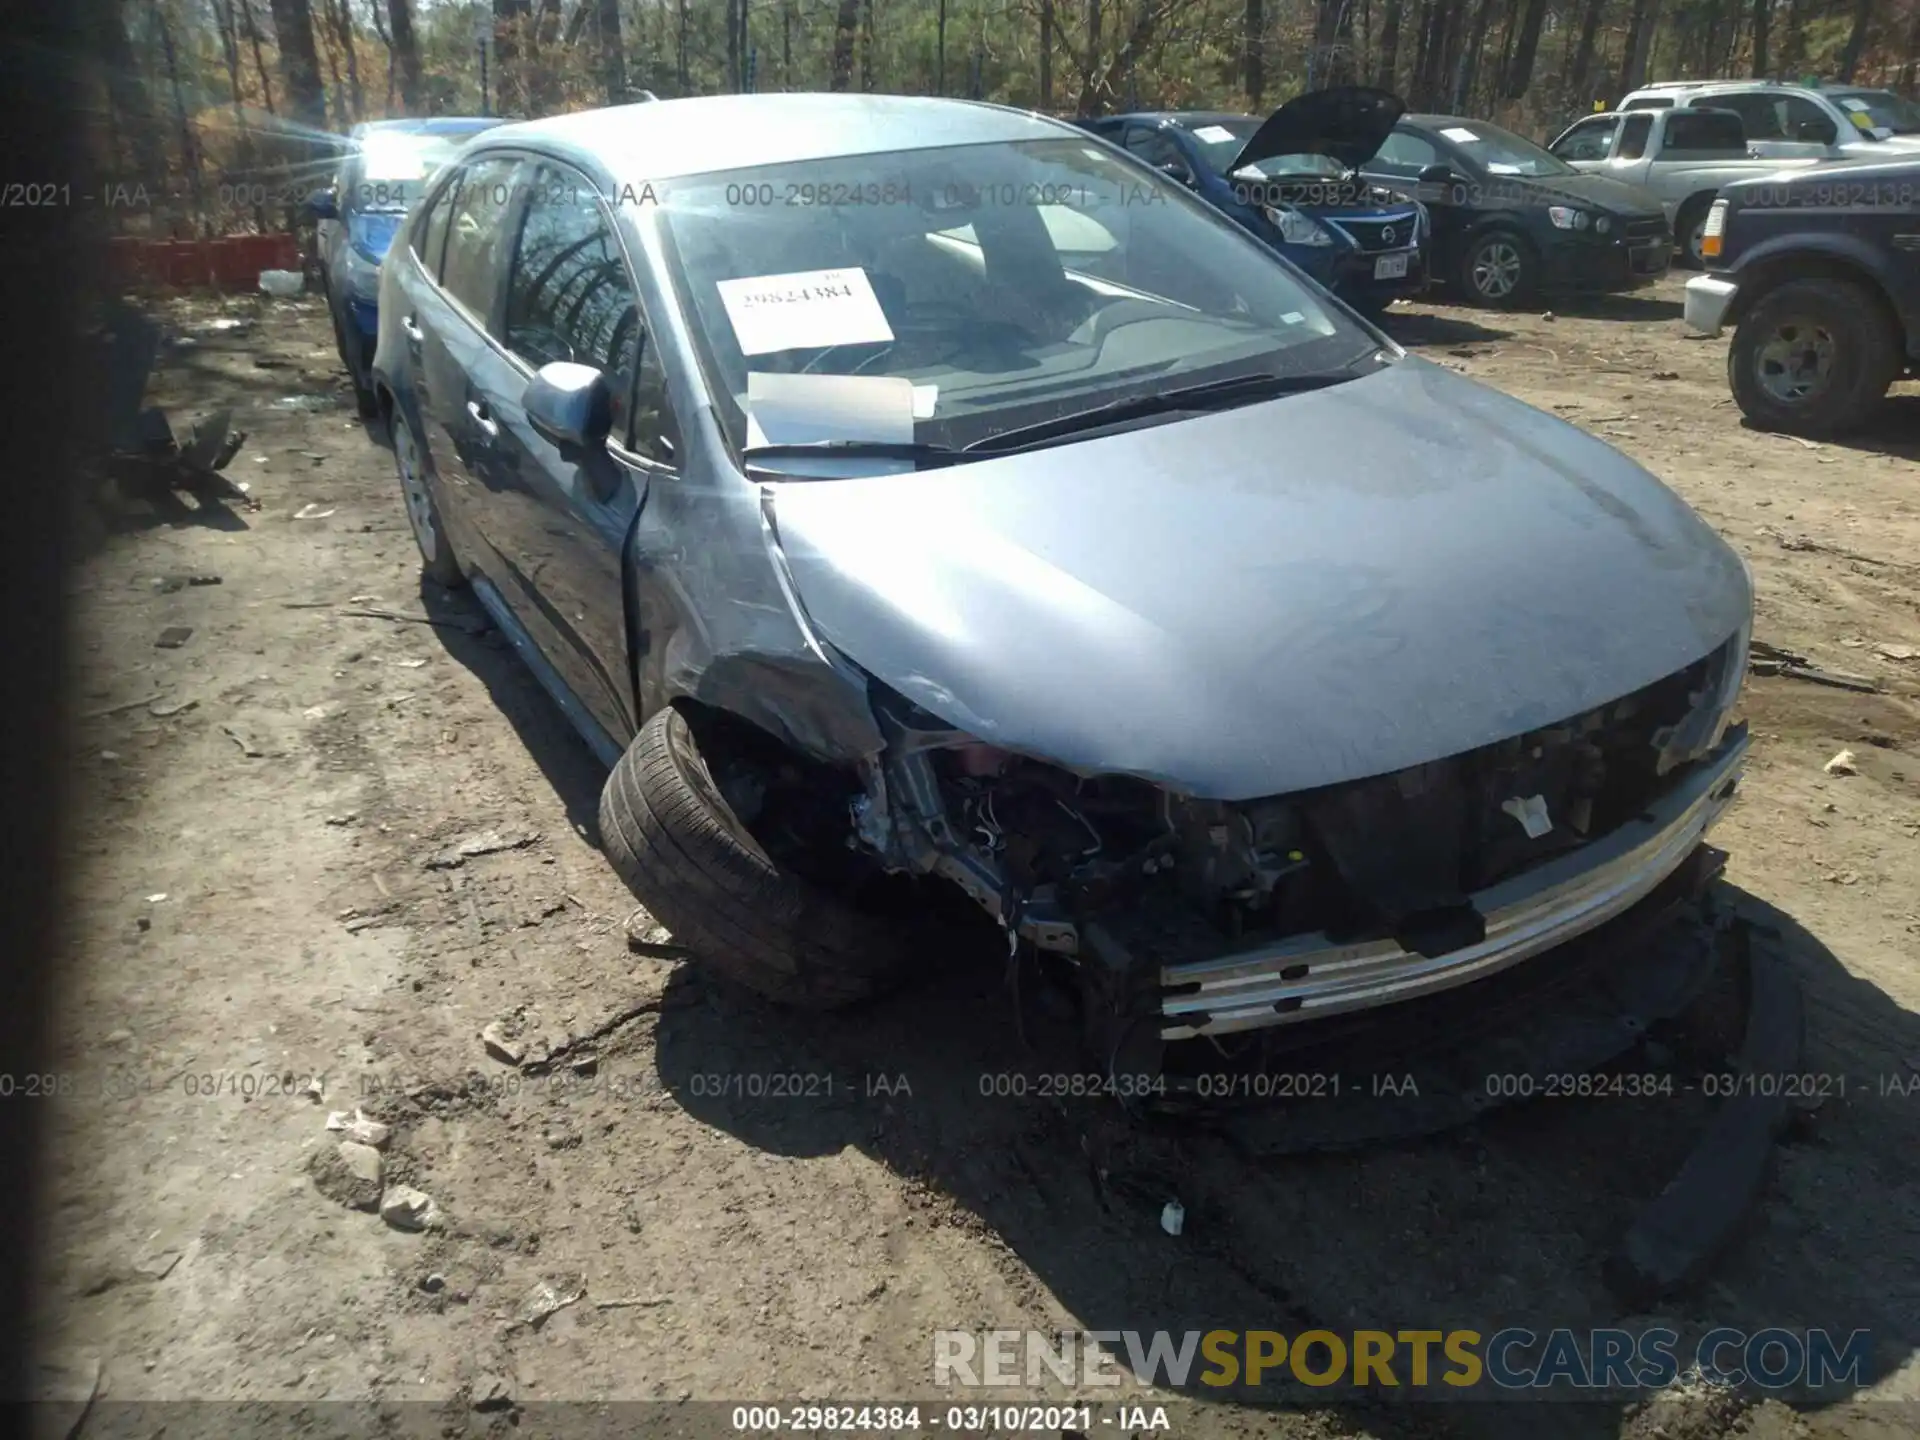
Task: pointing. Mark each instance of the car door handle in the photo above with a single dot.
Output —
(483, 417)
(412, 326)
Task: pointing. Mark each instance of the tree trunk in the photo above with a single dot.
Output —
(386, 40)
(343, 26)
(733, 47)
(845, 21)
(189, 146)
(1091, 101)
(1470, 57)
(786, 44)
(866, 46)
(1793, 48)
(940, 49)
(1046, 54)
(1386, 73)
(299, 62)
(1762, 12)
(324, 41)
(1519, 74)
(1633, 65)
(406, 51)
(131, 103)
(1582, 67)
(613, 60)
(1253, 57)
(682, 78)
(1857, 39)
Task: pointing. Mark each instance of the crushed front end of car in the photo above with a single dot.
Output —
(1188, 918)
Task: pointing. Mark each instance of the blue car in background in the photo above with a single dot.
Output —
(1293, 180)
(383, 171)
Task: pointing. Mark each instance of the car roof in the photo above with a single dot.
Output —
(662, 139)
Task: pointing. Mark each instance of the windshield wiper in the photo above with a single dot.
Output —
(925, 453)
(1240, 389)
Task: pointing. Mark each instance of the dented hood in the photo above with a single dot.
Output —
(1311, 590)
(1348, 122)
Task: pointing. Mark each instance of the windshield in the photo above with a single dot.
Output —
(1879, 110)
(943, 296)
(1501, 152)
(391, 170)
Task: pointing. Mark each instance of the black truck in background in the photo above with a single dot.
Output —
(1818, 274)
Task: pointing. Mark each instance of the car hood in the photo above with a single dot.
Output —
(1901, 169)
(1348, 122)
(1599, 192)
(1311, 590)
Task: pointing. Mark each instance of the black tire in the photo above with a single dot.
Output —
(1843, 327)
(1482, 262)
(1688, 224)
(677, 843)
(350, 349)
(437, 560)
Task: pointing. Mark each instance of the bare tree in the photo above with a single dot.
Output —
(342, 15)
(1519, 71)
(259, 54)
(1633, 65)
(1581, 69)
(846, 19)
(128, 98)
(1857, 38)
(1762, 13)
(613, 60)
(1253, 54)
(406, 53)
(299, 62)
(1386, 71)
(1046, 54)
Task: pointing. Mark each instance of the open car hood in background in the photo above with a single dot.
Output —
(1347, 122)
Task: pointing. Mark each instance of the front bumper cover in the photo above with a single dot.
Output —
(1307, 977)
(1708, 297)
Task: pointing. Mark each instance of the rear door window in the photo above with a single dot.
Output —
(478, 214)
(430, 230)
(1692, 132)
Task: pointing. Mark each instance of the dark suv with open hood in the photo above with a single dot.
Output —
(1292, 180)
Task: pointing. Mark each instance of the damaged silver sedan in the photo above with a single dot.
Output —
(912, 499)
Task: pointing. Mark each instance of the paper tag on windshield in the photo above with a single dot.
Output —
(1462, 134)
(808, 409)
(1213, 134)
(926, 399)
(1494, 167)
(804, 310)
(1861, 120)
(1855, 105)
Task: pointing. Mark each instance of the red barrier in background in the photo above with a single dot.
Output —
(233, 262)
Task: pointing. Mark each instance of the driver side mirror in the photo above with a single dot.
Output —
(1436, 175)
(570, 406)
(322, 206)
(1815, 132)
(1174, 170)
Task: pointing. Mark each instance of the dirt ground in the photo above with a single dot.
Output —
(271, 921)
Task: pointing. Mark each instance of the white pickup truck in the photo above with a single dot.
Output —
(1683, 155)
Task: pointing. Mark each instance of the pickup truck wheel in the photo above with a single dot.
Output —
(410, 463)
(678, 842)
(1690, 230)
(1499, 269)
(1813, 357)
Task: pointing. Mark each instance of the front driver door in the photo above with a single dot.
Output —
(561, 523)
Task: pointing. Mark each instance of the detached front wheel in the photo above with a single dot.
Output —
(1813, 357)
(685, 851)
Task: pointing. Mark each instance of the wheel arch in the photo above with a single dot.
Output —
(1761, 277)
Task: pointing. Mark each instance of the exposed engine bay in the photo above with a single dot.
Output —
(1129, 879)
